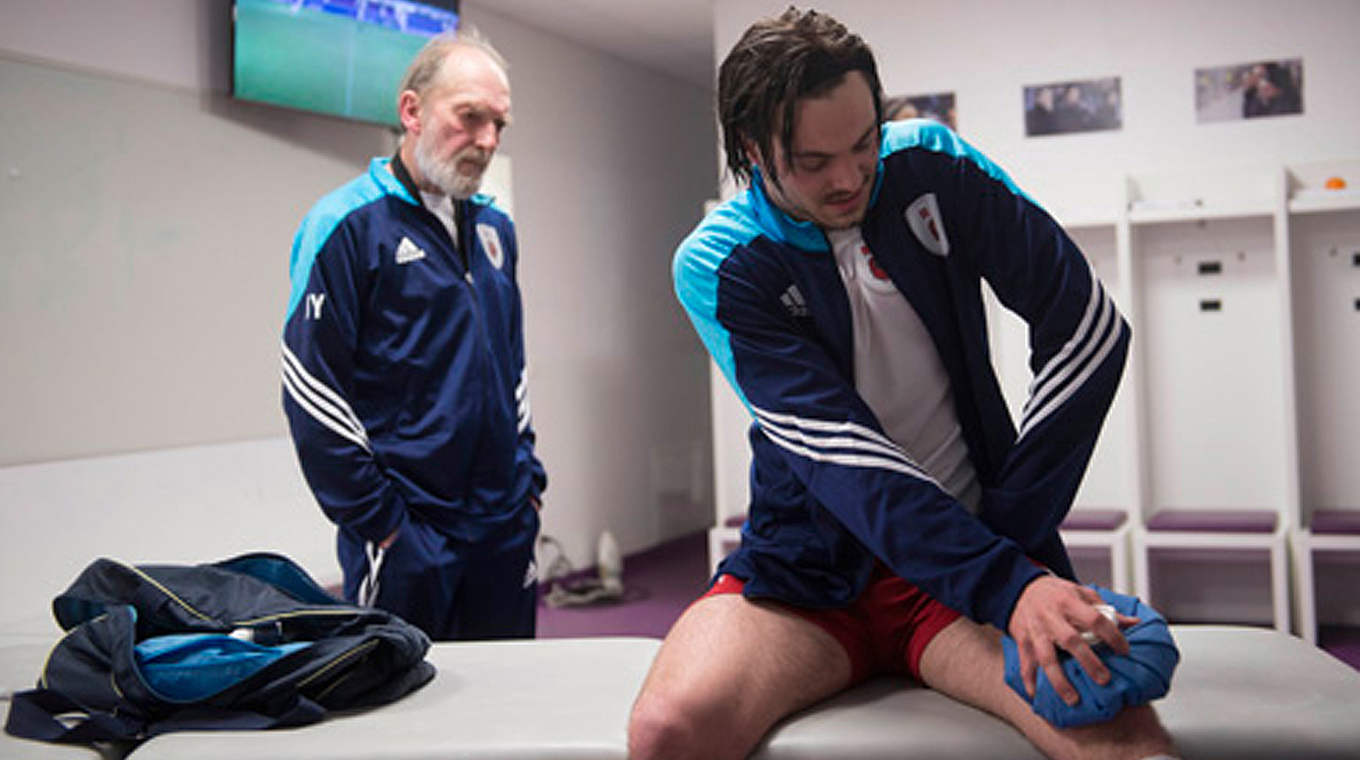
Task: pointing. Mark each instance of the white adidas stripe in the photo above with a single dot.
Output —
(1046, 379)
(524, 417)
(522, 399)
(1054, 387)
(1106, 347)
(834, 442)
(849, 460)
(324, 404)
(1063, 380)
(371, 584)
(843, 426)
(881, 452)
(317, 414)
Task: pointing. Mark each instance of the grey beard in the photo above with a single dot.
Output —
(445, 176)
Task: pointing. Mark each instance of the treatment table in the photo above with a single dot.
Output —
(1239, 693)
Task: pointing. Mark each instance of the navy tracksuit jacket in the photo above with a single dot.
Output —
(830, 493)
(405, 390)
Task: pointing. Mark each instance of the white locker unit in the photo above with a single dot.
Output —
(1210, 316)
(1324, 243)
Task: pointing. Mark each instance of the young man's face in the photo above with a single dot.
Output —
(828, 175)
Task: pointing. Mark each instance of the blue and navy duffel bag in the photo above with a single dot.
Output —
(248, 643)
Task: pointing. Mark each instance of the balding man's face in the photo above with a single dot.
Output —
(460, 123)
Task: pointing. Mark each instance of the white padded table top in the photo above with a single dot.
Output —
(1258, 693)
(557, 699)
(1238, 693)
(21, 661)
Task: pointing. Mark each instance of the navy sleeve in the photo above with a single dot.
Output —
(832, 441)
(320, 342)
(1077, 338)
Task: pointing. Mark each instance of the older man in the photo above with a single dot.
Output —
(403, 365)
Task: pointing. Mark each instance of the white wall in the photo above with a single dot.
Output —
(146, 219)
(612, 164)
(188, 504)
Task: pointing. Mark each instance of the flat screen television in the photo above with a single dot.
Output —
(339, 57)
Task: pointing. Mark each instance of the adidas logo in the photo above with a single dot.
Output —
(408, 252)
(793, 301)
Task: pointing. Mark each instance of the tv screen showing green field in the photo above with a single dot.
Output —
(340, 57)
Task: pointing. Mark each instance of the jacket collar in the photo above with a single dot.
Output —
(403, 176)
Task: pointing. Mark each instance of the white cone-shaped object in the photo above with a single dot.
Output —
(610, 563)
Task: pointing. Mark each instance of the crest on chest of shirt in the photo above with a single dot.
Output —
(923, 217)
(491, 243)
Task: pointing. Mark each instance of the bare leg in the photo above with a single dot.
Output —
(727, 672)
(965, 662)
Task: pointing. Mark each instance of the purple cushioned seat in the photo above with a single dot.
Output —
(1094, 519)
(1214, 520)
(735, 521)
(1335, 521)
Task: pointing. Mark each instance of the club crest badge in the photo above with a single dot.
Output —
(491, 243)
(923, 217)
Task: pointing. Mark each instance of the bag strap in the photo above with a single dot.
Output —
(33, 715)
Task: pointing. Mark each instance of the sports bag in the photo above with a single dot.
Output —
(247, 643)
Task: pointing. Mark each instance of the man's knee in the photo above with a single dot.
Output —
(662, 726)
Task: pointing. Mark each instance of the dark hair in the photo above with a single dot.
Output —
(778, 60)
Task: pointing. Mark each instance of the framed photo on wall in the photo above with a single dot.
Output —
(1085, 105)
(1249, 90)
(938, 106)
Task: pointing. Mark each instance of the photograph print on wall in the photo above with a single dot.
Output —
(1087, 105)
(938, 106)
(1249, 90)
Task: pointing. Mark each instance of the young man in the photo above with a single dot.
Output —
(403, 365)
(899, 522)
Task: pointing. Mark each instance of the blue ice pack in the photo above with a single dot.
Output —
(1144, 674)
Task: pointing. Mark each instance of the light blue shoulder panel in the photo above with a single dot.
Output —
(327, 214)
(695, 269)
(934, 136)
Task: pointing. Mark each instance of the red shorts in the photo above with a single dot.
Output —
(885, 630)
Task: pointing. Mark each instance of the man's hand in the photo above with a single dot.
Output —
(1052, 613)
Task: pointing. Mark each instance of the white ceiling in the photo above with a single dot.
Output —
(671, 36)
